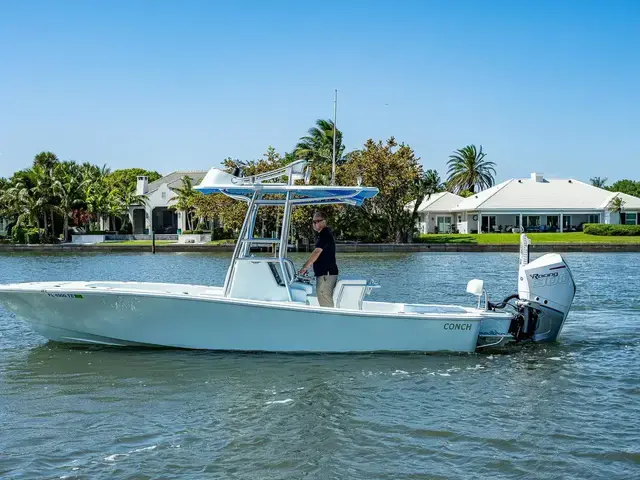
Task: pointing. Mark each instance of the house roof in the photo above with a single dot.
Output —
(539, 193)
(439, 202)
(174, 179)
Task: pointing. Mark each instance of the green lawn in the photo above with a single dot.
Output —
(222, 242)
(514, 238)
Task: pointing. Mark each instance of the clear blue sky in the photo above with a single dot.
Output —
(549, 86)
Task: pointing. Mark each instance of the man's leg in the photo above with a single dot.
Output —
(325, 285)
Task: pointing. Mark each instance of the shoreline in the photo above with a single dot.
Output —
(340, 248)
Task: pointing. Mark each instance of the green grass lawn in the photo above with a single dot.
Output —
(222, 242)
(514, 238)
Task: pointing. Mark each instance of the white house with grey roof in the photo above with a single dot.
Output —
(535, 204)
(156, 214)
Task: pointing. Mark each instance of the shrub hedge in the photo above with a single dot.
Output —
(611, 230)
(25, 235)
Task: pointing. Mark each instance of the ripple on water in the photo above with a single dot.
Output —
(567, 410)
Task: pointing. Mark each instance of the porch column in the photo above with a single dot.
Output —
(561, 222)
(479, 222)
(521, 225)
(148, 218)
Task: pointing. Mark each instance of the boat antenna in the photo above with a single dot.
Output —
(333, 161)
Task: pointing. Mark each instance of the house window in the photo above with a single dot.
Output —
(444, 224)
(631, 218)
(594, 219)
(164, 195)
(531, 221)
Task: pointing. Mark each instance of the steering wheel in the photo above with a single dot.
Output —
(302, 278)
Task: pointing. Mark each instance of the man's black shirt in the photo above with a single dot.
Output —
(326, 262)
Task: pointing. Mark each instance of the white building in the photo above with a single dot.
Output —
(4, 223)
(536, 203)
(156, 214)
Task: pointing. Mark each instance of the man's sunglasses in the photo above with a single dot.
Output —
(318, 221)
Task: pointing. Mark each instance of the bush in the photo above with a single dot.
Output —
(611, 230)
(220, 233)
(193, 232)
(25, 235)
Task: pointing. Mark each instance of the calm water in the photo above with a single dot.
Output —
(569, 410)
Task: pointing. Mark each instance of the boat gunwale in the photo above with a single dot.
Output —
(470, 314)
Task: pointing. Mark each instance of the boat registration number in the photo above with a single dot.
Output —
(63, 295)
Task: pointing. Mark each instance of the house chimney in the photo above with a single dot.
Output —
(537, 177)
(142, 186)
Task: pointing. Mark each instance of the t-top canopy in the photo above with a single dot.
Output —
(243, 188)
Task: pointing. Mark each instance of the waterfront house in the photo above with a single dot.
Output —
(536, 203)
(156, 214)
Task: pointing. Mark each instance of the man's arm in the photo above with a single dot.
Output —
(314, 256)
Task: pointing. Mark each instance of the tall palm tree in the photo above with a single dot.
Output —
(47, 160)
(599, 182)
(427, 184)
(185, 199)
(617, 206)
(67, 187)
(44, 192)
(317, 146)
(94, 188)
(468, 169)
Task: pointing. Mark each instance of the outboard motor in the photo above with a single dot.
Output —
(545, 293)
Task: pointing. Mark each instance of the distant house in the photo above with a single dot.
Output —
(434, 213)
(156, 215)
(537, 204)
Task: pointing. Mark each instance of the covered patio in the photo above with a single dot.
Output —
(531, 221)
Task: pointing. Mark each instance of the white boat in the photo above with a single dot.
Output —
(264, 306)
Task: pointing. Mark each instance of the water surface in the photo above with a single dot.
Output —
(567, 410)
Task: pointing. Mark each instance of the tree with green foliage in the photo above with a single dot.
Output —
(617, 206)
(185, 199)
(395, 170)
(469, 170)
(317, 145)
(630, 187)
(599, 182)
(126, 179)
(67, 187)
(425, 184)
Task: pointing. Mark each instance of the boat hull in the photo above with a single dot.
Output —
(218, 323)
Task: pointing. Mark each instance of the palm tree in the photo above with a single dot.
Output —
(427, 184)
(46, 160)
(67, 187)
(96, 196)
(599, 182)
(44, 193)
(617, 206)
(317, 146)
(125, 199)
(468, 169)
(184, 199)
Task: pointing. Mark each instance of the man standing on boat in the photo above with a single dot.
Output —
(323, 259)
